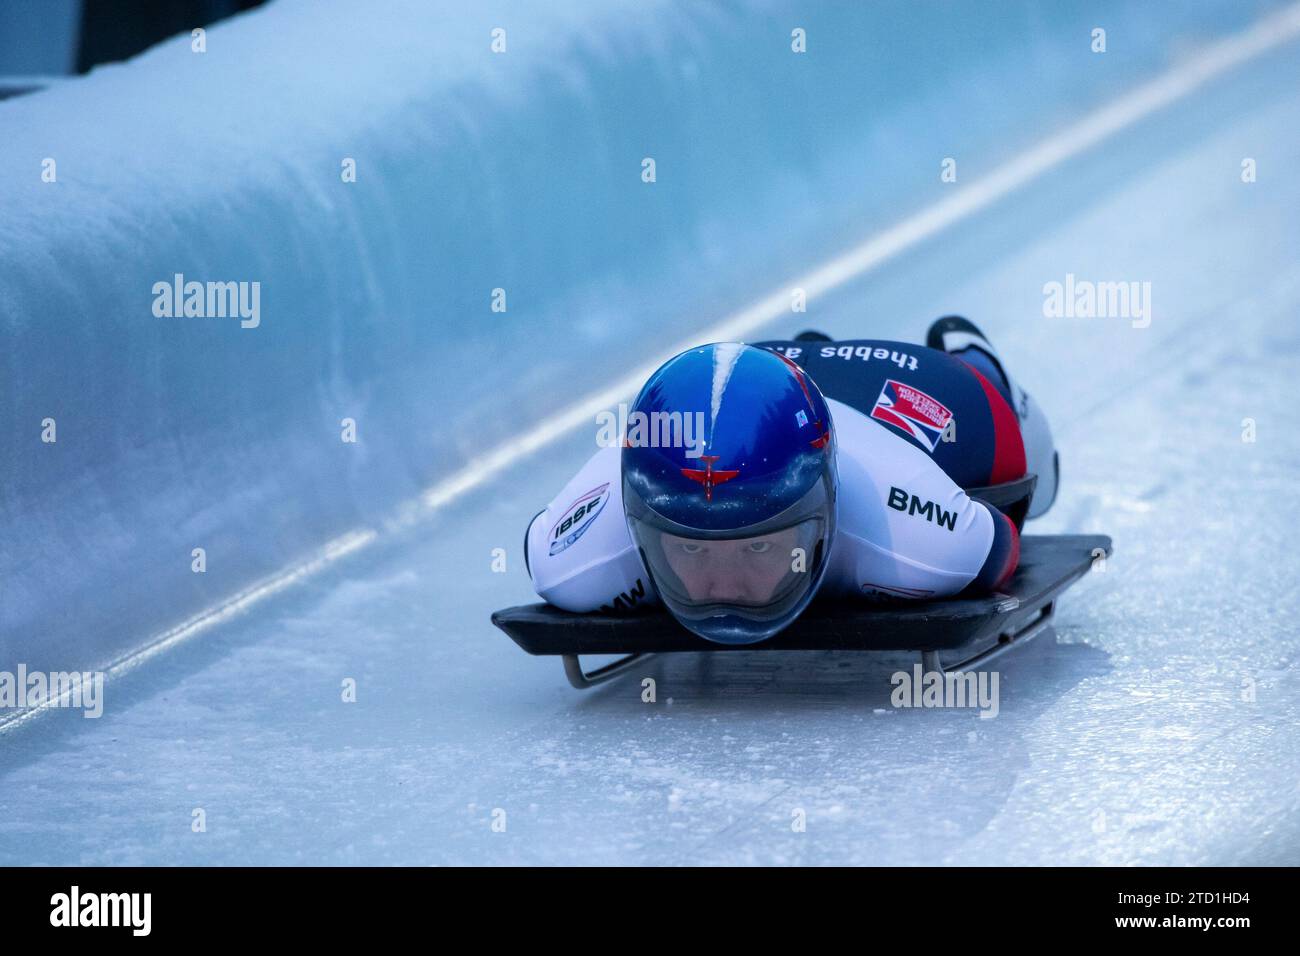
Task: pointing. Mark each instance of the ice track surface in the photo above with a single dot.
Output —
(1156, 725)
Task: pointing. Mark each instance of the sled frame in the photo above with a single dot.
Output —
(950, 635)
(1007, 639)
(582, 679)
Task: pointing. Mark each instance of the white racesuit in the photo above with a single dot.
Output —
(905, 529)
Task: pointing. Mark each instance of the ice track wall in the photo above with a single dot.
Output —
(475, 171)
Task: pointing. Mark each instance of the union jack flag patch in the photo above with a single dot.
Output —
(912, 412)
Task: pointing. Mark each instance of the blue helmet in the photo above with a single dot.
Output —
(729, 487)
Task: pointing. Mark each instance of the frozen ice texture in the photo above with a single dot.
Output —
(1159, 728)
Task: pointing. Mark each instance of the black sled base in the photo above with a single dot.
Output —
(954, 634)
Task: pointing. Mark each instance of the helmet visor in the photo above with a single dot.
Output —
(757, 577)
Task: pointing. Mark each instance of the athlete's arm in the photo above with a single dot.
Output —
(1004, 553)
(905, 528)
(579, 552)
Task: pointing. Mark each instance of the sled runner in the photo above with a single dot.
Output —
(953, 634)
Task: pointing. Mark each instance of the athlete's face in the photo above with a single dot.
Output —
(745, 571)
